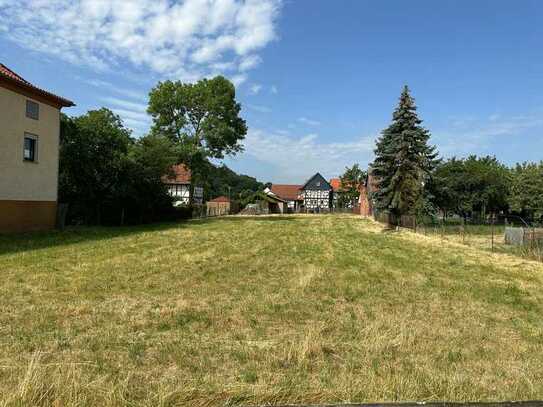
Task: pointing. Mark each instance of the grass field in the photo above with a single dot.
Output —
(247, 311)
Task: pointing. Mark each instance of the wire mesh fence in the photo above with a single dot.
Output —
(491, 234)
(511, 235)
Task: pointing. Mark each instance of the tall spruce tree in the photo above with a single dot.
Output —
(403, 161)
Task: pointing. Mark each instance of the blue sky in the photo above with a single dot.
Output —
(317, 79)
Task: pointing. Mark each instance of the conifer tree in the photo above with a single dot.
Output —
(403, 161)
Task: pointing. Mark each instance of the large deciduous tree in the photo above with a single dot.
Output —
(201, 119)
(108, 177)
(403, 161)
(526, 196)
(471, 186)
(93, 161)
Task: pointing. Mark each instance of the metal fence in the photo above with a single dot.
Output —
(511, 234)
(491, 234)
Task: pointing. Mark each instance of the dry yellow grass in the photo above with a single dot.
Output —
(246, 311)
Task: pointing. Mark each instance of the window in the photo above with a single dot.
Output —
(32, 110)
(30, 149)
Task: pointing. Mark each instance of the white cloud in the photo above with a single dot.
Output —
(129, 93)
(136, 107)
(133, 114)
(274, 90)
(255, 89)
(186, 39)
(309, 122)
(297, 158)
(471, 135)
(249, 62)
(259, 108)
(238, 79)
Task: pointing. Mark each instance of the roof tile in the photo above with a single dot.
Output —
(286, 191)
(18, 80)
(180, 175)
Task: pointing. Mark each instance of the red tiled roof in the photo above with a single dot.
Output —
(220, 199)
(286, 191)
(336, 184)
(4, 70)
(19, 82)
(180, 175)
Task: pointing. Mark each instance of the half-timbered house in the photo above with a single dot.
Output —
(317, 194)
(178, 184)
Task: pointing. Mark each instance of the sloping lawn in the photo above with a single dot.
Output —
(245, 311)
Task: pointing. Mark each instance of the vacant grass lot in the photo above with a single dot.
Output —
(264, 310)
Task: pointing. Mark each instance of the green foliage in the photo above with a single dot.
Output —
(403, 160)
(527, 189)
(108, 177)
(93, 160)
(201, 119)
(472, 185)
(223, 181)
(351, 180)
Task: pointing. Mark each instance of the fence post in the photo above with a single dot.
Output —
(492, 228)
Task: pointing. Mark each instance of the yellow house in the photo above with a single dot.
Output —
(29, 152)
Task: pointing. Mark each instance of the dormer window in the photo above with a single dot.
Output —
(32, 110)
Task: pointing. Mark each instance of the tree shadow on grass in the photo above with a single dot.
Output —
(22, 242)
(268, 218)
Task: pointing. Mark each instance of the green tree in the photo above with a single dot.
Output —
(526, 196)
(403, 161)
(108, 177)
(351, 180)
(93, 161)
(223, 181)
(150, 158)
(201, 119)
(471, 186)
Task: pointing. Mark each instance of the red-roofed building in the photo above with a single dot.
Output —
(178, 183)
(336, 184)
(219, 206)
(221, 199)
(29, 153)
(291, 194)
(339, 189)
(366, 200)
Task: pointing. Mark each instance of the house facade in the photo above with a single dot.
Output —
(366, 200)
(317, 194)
(29, 154)
(219, 206)
(314, 196)
(178, 184)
